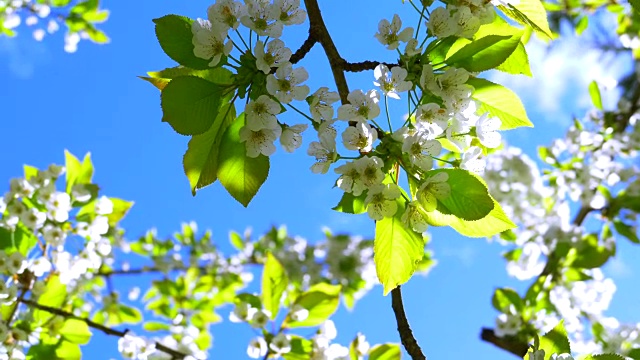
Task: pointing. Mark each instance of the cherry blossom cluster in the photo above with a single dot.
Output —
(39, 16)
(440, 109)
(589, 166)
(35, 209)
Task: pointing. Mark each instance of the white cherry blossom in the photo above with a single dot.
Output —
(325, 153)
(261, 141)
(472, 160)
(225, 14)
(487, 131)
(291, 137)
(441, 24)
(421, 151)
(359, 137)
(381, 201)
(259, 18)
(389, 33)
(432, 119)
(276, 55)
(432, 189)
(261, 114)
(285, 84)
(257, 348)
(209, 43)
(391, 82)
(288, 12)
(414, 217)
(281, 343)
(361, 106)
(320, 104)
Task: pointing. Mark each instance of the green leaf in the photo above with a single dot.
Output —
(175, 37)
(77, 172)
(518, 61)
(200, 162)
(156, 326)
(301, 348)
(54, 296)
(351, 204)
(494, 223)
(504, 298)
(397, 250)
(21, 239)
(123, 314)
(634, 354)
(627, 231)
(68, 351)
(120, 210)
(499, 101)
(241, 175)
(635, 6)
(321, 300)
(555, 341)
(236, 240)
(485, 53)
(274, 282)
(160, 79)
(75, 331)
(191, 104)
(531, 13)
(385, 352)
(605, 357)
(594, 92)
(60, 3)
(469, 198)
(97, 36)
(591, 254)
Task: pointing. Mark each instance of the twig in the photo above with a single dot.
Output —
(508, 343)
(107, 330)
(304, 48)
(365, 65)
(318, 31)
(406, 335)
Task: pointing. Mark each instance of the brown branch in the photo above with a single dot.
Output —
(304, 48)
(365, 65)
(318, 30)
(508, 343)
(406, 335)
(107, 330)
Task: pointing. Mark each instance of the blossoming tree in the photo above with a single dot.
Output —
(441, 162)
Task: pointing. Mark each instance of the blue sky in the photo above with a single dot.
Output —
(92, 101)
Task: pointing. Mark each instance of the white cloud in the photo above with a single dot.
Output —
(22, 55)
(561, 76)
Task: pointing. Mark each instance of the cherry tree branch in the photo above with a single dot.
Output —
(176, 355)
(304, 49)
(406, 335)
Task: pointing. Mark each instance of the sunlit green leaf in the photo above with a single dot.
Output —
(321, 300)
(175, 37)
(501, 102)
(397, 250)
(75, 331)
(274, 282)
(241, 175)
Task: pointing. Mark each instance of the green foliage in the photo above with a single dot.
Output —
(504, 298)
(499, 101)
(351, 204)
(241, 175)
(469, 198)
(175, 38)
(397, 250)
(531, 13)
(596, 97)
(485, 53)
(321, 300)
(385, 352)
(555, 341)
(76, 331)
(274, 282)
(190, 104)
(77, 173)
(54, 295)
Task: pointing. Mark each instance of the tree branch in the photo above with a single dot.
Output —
(406, 335)
(318, 31)
(508, 343)
(107, 330)
(365, 65)
(304, 48)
